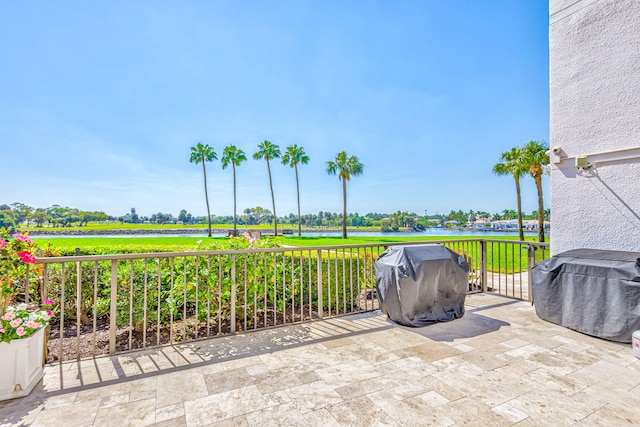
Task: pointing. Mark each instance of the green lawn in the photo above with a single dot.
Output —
(118, 226)
(117, 244)
(124, 226)
(358, 240)
(503, 256)
(190, 242)
(500, 257)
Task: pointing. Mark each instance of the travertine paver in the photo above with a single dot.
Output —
(498, 365)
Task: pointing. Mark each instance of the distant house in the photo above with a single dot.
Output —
(512, 224)
(532, 224)
(481, 224)
(504, 224)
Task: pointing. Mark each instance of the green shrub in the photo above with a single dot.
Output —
(197, 290)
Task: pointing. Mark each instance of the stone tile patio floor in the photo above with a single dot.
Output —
(498, 365)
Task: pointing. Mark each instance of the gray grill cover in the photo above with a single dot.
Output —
(422, 284)
(592, 291)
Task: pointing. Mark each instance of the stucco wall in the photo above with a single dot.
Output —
(594, 48)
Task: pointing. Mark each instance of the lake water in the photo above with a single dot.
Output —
(427, 232)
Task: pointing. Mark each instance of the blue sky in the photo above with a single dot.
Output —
(100, 102)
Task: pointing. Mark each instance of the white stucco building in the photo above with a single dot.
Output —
(594, 48)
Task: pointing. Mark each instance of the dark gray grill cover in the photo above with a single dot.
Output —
(422, 284)
(591, 291)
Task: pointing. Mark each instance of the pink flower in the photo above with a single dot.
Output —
(23, 238)
(3, 243)
(9, 316)
(31, 324)
(15, 322)
(27, 257)
(20, 331)
(2, 330)
(48, 302)
(50, 313)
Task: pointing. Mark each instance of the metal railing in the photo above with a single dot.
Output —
(509, 267)
(108, 304)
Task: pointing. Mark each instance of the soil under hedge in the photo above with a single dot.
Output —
(89, 344)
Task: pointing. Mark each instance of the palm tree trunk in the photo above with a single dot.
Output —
(298, 191)
(538, 180)
(235, 221)
(344, 208)
(206, 196)
(273, 202)
(519, 207)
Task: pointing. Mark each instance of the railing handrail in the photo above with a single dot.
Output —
(521, 242)
(111, 257)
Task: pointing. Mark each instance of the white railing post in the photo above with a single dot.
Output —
(232, 321)
(113, 307)
(320, 308)
(532, 260)
(78, 306)
(45, 283)
(483, 265)
(62, 291)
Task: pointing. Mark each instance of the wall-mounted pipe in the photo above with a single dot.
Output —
(556, 155)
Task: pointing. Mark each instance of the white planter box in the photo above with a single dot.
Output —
(22, 363)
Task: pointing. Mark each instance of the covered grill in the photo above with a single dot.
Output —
(422, 284)
(596, 292)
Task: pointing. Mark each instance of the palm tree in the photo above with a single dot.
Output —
(203, 153)
(510, 164)
(268, 150)
(345, 167)
(534, 158)
(233, 156)
(509, 213)
(293, 156)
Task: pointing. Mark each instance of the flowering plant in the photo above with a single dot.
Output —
(23, 321)
(15, 253)
(19, 321)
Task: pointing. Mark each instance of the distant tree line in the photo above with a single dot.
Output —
(54, 216)
(14, 214)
